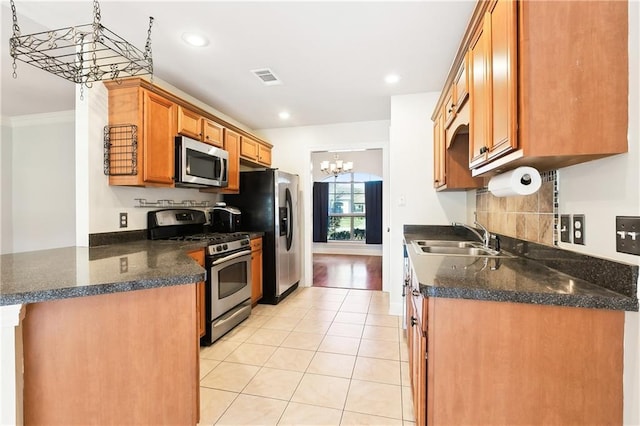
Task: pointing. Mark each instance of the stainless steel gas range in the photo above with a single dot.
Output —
(227, 263)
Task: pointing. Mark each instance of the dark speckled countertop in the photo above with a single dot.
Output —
(85, 271)
(522, 278)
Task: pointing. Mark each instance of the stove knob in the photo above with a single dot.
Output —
(218, 248)
(224, 246)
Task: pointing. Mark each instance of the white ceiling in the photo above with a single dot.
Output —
(331, 56)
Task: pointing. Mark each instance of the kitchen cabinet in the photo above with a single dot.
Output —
(539, 90)
(198, 127)
(451, 153)
(198, 256)
(417, 342)
(154, 115)
(439, 150)
(110, 359)
(256, 270)
(493, 84)
(232, 146)
(487, 362)
(254, 151)
(159, 116)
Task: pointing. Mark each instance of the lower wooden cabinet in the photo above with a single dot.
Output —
(198, 256)
(256, 270)
(417, 341)
(489, 363)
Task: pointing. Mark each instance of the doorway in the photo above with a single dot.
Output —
(347, 226)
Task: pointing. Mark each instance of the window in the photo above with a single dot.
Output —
(346, 207)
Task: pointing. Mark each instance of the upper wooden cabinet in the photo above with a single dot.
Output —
(200, 128)
(542, 94)
(212, 133)
(232, 145)
(255, 151)
(439, 149)
(159, 116)
(493, 84)
(154, 116)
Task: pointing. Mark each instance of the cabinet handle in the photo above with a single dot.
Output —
(415, 292)
(414, 321)
(483, 149)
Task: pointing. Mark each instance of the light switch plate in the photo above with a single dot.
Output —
(578, 229)
(565, 228)
(628, 234)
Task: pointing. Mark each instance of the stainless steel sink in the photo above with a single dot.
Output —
(446, 243)
(455, 248)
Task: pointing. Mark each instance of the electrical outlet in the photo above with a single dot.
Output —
(628, 234)
(565, 228)
(578, 229)
(124, 219)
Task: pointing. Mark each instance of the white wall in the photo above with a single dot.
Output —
(368, 162)
(413, 198)
(42, 198)
(6, 170)
(602, 190)
(292, 153)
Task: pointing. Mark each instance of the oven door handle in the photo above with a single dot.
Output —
(231, 257)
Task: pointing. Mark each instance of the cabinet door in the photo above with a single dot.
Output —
(232, 145)
(256, 270)
(198, 256)
(439, 172)
(189, 123)
(461, 84)
(249, 148)
(212, 133)
(449, 108)
(158, 139)
(501, 21)
(264, 155)
(418, 363)
(479, 97)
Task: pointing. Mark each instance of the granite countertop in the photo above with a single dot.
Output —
(44, 275)
(521, 278)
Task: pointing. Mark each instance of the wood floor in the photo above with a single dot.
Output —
(347, 271)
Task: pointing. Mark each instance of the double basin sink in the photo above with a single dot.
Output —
(455, 248)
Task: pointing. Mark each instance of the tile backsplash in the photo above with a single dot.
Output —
(530, 217)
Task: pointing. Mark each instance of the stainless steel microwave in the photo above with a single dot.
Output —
(200, 165)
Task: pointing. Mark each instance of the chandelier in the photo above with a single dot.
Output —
(82, 54)
(336, 168)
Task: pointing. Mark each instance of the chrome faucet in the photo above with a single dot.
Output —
(485, 237)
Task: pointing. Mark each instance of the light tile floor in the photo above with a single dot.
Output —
(323, 356)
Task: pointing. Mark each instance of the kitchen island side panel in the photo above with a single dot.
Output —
(122, 358)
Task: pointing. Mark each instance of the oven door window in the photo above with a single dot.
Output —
(203, 165)
(232, 279)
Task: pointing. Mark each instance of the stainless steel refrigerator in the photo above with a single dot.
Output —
(268, 202)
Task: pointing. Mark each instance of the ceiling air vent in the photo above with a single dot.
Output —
(267, 76)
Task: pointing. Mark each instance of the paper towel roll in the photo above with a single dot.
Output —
(520, 181)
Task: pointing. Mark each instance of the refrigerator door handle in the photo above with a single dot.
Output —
(289, 218)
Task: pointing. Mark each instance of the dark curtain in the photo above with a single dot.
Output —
(320, 211)
(373, 209)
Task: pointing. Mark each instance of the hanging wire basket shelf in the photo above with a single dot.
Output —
(121, 150)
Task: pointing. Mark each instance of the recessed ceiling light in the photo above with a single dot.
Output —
(392, 78)
(284, 115)
(193, 39)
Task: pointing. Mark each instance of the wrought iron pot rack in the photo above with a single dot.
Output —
(81, 54)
